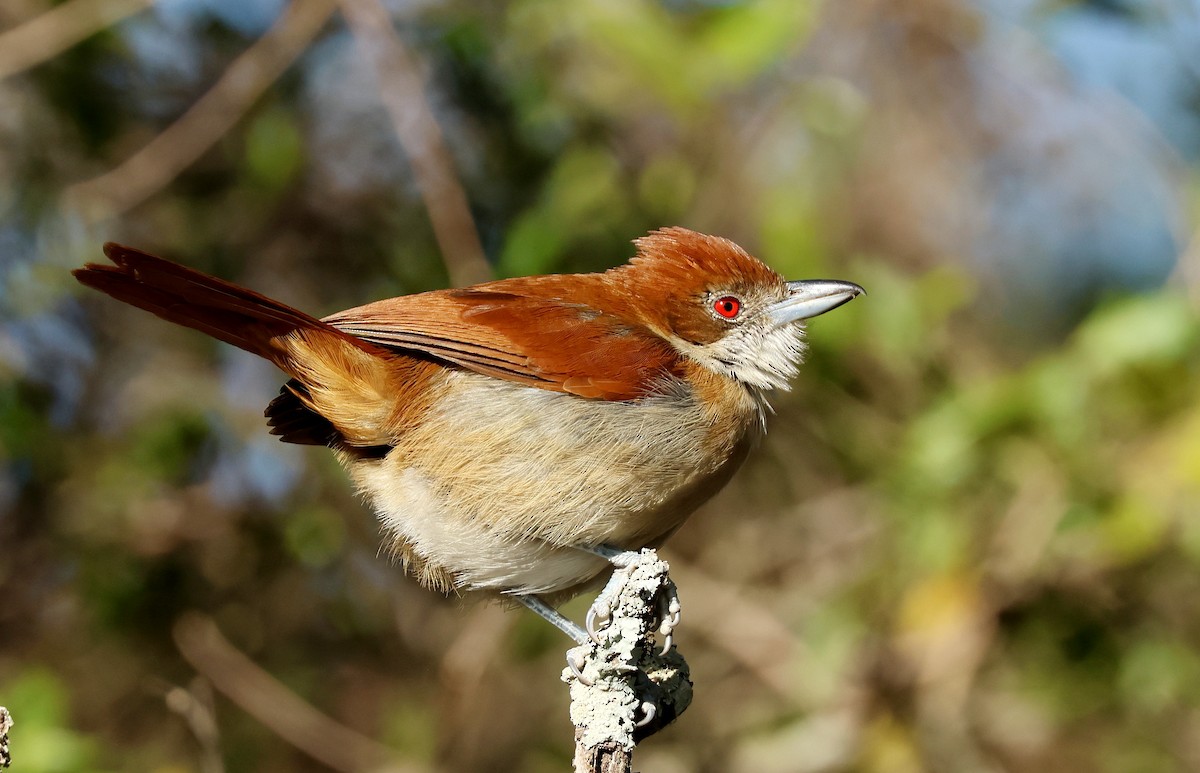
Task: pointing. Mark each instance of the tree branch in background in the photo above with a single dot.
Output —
(1187, 269)
(49, 34)
(271, 703)
(195, 706)
(403, 95)
(205, 122)
(747, 632)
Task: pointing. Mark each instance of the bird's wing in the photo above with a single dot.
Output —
(536, 341)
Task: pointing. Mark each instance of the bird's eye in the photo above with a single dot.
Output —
(728, 307)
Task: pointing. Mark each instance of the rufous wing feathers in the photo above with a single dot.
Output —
(550, 343)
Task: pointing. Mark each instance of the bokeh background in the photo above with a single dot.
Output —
(969, 542)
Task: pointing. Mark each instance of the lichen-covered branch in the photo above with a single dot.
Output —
(5, 723)
(627, 687)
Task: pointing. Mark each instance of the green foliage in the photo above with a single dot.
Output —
(583, 197)
(315, 536)
(274, 150)
(42, 740)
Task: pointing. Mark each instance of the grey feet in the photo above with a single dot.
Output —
(554, 617)
(576, 656)
(669, 614)
(641, 595)
(599, 615)
(624, 685)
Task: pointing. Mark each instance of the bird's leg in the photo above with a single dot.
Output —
(616, 556)
(624, 676)
(600, 612)
(576, 656)
(554, 617)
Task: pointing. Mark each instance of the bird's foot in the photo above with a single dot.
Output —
(670, 611)
(577, 660)
(625, 562)
(620, 670)
(599, 615)
(553, 616)
(577, 657)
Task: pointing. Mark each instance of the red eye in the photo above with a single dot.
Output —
(727, 306)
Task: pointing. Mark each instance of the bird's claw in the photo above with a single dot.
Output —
(670, 612)
(576, 661)
(599, 615)
(649, 710)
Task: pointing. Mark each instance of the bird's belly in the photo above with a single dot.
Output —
(467, 553)
(530, 473)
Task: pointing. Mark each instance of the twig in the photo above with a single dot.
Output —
(180, 144)
(467, 657)
(270, 702)
(6, 722)
(49, 34)
(626, 689)
(403, 95)
(197, 711)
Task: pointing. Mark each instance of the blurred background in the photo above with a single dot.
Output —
(969, 541)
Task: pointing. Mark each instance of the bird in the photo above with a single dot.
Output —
(513, 436)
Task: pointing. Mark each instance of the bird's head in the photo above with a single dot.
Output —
(724, 308)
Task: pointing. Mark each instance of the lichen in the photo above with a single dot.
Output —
(625, 679)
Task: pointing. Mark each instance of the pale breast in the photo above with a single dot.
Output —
(498, 478)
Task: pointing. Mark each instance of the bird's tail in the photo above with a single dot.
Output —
(340, 378)
(221, 309)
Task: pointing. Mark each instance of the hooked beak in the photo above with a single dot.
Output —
(811, 297)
